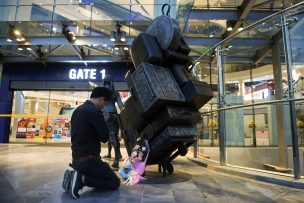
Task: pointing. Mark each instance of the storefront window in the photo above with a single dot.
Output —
(44, 116)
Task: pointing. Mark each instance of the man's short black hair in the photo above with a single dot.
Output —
(101, 92)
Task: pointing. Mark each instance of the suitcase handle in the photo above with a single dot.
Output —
(168, 10)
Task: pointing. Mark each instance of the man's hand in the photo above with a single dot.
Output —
(106, 116)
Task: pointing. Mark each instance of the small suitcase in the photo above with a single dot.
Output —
(145, 48)
(180, 74)
(166, 30)
(169, 140)
(155, 86)
(171, 115)
(197, 93)
(183, 47)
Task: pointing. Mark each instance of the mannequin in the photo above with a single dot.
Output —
(110, 115)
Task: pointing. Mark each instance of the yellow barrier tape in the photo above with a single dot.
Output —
(32, 115)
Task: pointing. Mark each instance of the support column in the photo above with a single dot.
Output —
(6, 99)
(242, 88)
(19, 109)
(277, 74)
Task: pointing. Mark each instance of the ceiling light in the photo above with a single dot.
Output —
(9, 40)
(116, 48)
(113, 36)
(19, 39)
(205, 75)
(126, 48)
(123, 36)
(240, 28)
(20, 48)
(211, 35)
(29, 48)
(197, 63)
(17, 32)
(22, 39)
(230, 46)
(230, 24)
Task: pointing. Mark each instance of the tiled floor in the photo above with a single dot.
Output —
(33, 173)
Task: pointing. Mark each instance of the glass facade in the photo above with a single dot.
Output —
(261, 100)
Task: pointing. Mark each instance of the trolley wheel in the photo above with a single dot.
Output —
(182, 150)
(170, 168)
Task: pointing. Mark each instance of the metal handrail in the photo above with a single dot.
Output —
(247, 28)
(254, 104)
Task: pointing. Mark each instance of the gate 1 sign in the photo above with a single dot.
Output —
(84, 74)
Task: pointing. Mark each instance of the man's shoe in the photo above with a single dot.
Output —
(107, 157)
(119, 157)
(76, 183)
(66, 183)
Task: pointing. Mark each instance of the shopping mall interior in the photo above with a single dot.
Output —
(250, 138)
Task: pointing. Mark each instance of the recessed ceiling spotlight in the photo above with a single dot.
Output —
(17, 32)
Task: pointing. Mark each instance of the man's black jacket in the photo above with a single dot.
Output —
(88, 129)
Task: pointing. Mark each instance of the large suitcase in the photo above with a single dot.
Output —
(169, 140)
(155, 86)
(197, 93)
(133, 111)
(127, 132)
(145, 48)
(171, 115)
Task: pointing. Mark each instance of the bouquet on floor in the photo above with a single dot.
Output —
(134, 167)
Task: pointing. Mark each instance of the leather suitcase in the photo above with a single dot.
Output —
(180, 74)
(155, 86)
(171, 115)
(197, 93)
(169, 140)
(127, 133)
(183, 47)
(145, 48)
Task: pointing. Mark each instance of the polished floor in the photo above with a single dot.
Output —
(33, 173)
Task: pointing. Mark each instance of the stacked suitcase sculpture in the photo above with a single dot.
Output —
(165, 98)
